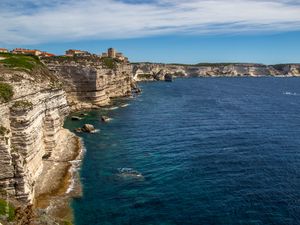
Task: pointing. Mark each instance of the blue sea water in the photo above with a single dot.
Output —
(212, 151)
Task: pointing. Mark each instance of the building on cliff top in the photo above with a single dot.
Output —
(3, 50)
(47, 54)
(25, 51)
(112, 53)
(74, 52)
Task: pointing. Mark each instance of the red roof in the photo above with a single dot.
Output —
(47, 54)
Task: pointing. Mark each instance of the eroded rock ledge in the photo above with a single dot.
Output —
(91, 82)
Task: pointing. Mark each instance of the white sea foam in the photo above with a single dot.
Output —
(73, 170)
(124, 105)
(112, 108)
(95, 131)
(290, 93)
(71, 186)
(75, 167)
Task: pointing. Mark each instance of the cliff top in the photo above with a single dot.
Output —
(92, 60)
(19, 62)
(23, 74)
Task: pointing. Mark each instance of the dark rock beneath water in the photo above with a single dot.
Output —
(129, 172)
(76, 118)
(105, 119)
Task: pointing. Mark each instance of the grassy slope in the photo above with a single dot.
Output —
(19, 62)
(6, 92)
(11, 210)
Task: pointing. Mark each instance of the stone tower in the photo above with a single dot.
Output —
(111, 53)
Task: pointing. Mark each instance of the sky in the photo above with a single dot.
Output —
(169, 31)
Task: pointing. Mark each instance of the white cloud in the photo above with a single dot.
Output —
(34, 21)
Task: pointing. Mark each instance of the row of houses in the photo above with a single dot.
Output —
(111, 53)
(25, 51)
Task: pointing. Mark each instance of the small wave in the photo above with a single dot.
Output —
(290, 93)
(75, 167)
(124, 105)
(95, 131)
(71, 186)
(112, 108)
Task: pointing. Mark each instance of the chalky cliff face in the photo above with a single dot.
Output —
(154, 71)
(92, 81)
(32, 126)
(33, 142)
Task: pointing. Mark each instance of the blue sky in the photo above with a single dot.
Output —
(190, 31)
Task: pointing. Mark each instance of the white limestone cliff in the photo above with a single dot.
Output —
(157, 71)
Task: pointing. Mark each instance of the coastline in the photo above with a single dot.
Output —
(54, 204)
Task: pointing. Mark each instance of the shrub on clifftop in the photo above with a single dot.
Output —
(6, 92)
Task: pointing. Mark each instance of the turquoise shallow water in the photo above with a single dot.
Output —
(212, 151)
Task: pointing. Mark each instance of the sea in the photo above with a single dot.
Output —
(199, 151)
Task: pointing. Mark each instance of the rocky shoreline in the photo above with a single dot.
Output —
(61, 183)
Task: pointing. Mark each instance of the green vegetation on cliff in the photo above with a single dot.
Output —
(110, 63)
(19, 62)
(7, 209)
(22, 105)
(3, 130)
(6, 92)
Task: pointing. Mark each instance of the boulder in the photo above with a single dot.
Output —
(137, 90)
(168, 77)
(89, 128)
(78, 130)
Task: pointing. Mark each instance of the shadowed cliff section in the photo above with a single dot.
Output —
(157, 71)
